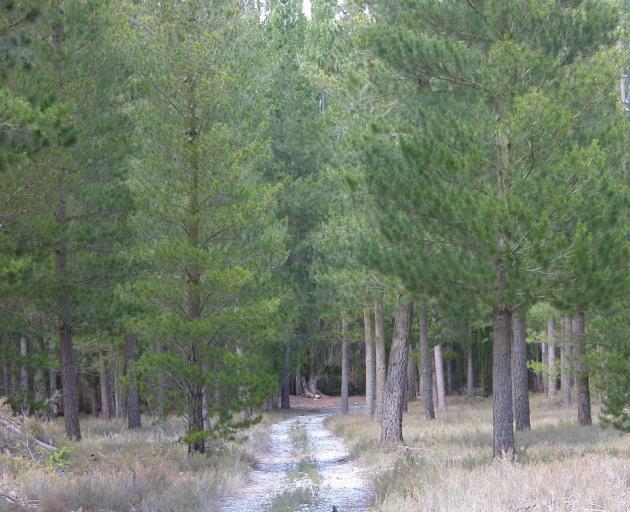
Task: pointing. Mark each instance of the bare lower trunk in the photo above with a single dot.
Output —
(565, 360)
(24, 388)
(581, 372)
(551, 358)
(39, 386)
(393, 399)
(381, 358)
(53, 405)
(133, 398)
(544, 357)
(412, 380)
(439, 377)
(285, 387)
(426, 366)
(470, 376)
(69, 383)
(196, 442)
(502, 431)
(106, 411)
(370, 370)
(161, 406)
(520, 391)
(345, 367)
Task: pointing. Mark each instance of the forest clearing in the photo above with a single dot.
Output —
(314, 255)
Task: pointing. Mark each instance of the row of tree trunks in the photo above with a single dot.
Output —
(133, 397)
(551, 358)
(565, 360)
(395, 383)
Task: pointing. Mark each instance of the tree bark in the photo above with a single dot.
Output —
(502, 432)
(565, 360)
(425, 367)
(439, 377)
(412, 379)
(53, 405)
(195, 420)
(285, 387)
(551, 358)
(544, 357)
(520, 391)
(393, 398)
(345, 366)
(39, 386)
(381, 357)
(24, 388)
(470, 368)
(370, 370)
(581, 372)
(133, 399)
(106, 411)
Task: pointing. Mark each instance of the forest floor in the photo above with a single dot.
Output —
(446, 464)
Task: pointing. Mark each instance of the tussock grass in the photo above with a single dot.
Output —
(146, 470)
(446, 464)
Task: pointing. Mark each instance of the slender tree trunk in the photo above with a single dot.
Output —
(503, 433)
(449, 377)
(106, 411)
(345, 365)
(285, 388)
(412, 380)
(393, 398)
(551, 358)
(133, 398)
(581, 373)
(370, 370)
(544, 357)
(439, 377)
(24, 388)
(195, 420)
(425, 366)
(565, 360)
(161, 406)
(39, 386)
(381, 357)
(53, 405)
(470, 376)
(520, 391)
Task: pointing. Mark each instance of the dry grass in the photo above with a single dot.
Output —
(115, 469)
(446, 464)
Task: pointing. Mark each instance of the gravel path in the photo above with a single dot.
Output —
(305, 468)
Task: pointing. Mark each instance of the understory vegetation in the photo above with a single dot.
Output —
(443, 465)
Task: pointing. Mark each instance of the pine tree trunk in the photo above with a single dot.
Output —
(520, 391)
(449, 377)
(551, 358)
(412, 380)
(425, 366)
(53, 406)
(161, 406)
(502, 432)
(345, 365)
(381, 357)
(39, 386)
(68, 364)
(470, 368)
(439, 377)
(195, 420)
(544, 357)
(24, 388)
(393, 397)
(133, 398)
(285, 387)
(370, 370)
(106, 411)
(565, 361)
(581, 372)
